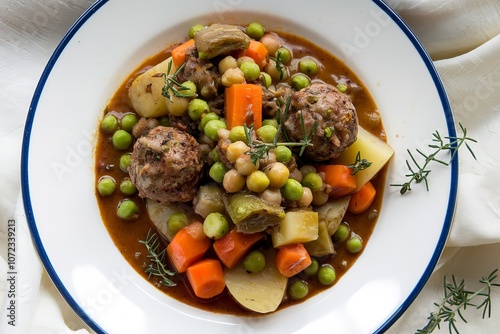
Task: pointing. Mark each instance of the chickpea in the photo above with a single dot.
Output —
(257, 181)
(272, 42)
(243, 59)
(232, 76)
(272, 195)
(227, 63)
(233, 181)
(319, 198)
(245, 166)
(277, 173)
(296, 175)
(306, 199)
(235, 150)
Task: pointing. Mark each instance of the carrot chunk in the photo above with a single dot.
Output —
(206, 278)
(340, 178)
(243, 105)
(179, 52)
(234, 245)
(292, 259)
(258, 52)
(362, 199)
(188, 246)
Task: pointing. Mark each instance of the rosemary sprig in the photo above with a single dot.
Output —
(419, 171)
(157, 265)
(259, 150)
(458, 298)
(359, 164)
(279, 64)
(172, 85)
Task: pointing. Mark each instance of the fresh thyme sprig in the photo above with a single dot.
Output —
(172, 85)
(458, 298)
(157, 266)
(259, 150)
(279, 64)
(359, 164)
(420, 172)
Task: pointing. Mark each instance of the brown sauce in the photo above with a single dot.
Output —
(126, 234)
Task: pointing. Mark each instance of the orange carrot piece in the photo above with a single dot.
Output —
(292, 259)
(258, 52)
(179, 52)
(206, 278)
(362, 199)
(188, 246)
(234, 245)
(340, 178)
(243, 105)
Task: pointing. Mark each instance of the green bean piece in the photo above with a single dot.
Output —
(128, 121)
(326, 274)
(176, 221)
(109, 124)
(127, 187)
(215, 225)
(255, 30)
(121, 140)
(254, 262)
(106, 186)
(127, 210)
(354, 244)
(298, 290)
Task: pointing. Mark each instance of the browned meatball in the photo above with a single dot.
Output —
(166, 165)
(334, 114)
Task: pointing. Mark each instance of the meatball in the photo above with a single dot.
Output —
(166, 165)
(335, 116)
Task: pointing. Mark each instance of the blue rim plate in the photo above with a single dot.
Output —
(108, 41)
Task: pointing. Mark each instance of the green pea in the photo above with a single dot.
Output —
(354, 244)
(214, 155)
(267, 133)
(194, 29)
(284, 55)
(255, 30)
(106, 186)
(298, 290)
(342, 87)
(257, 181)
(217, 171)
(125, 162)
(128, 121)
(312, 269)
(127, 209)
(196, 108)
(266, 79)
(215, 225)
(211, 128)
(292, 190)
(121, 140)
(176, 221)
(300, 81)
(127, 187)
(250, 70)
(283, 154)
(237, 133)
(326, 274)
(188, 89)
(342, 233)
(313, 181)
(164, 121)
(254, 262)
(207, 118)
(270, 121)
(109, 124)
(308, 66)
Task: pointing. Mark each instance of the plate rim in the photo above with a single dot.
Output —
(25, 189)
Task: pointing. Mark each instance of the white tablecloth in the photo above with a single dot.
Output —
(463, 38)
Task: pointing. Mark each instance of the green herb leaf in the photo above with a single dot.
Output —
(157, 266)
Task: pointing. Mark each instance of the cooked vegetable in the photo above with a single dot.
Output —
(339, 178)
(254, 262)
(298, 290)
(220, 39)
(215, 225)
(258, 52)
(208, 199)
(362, 199)
(354, 244)
(160, 214)
(323, 245)
(127, 209)
(332, 212)
(261, 292)
(206, 278)
(372, 149)
(106, 186)
(233, 246)
(188, 246)
(326, 274)
(292, 259)
(145, 91)
(179, 52)
(251, 214)
(298, 226)
(243, 105)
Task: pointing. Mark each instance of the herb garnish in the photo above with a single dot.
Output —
(157, 266)
(457, 298)
(259, 150)
(359, 164)
(421, 172)
(172, 85)
(279, 65)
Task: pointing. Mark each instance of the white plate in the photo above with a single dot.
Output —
(108, 42)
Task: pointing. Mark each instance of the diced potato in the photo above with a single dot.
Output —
(323, 245)
(208, 200)
(372, 149)
(145, 91)
(260, 292)
(159, 215)
(299, 226)
(332, 212)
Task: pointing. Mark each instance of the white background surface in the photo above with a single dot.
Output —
(462, 36)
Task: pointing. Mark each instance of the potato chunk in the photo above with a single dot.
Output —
(297, 227)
